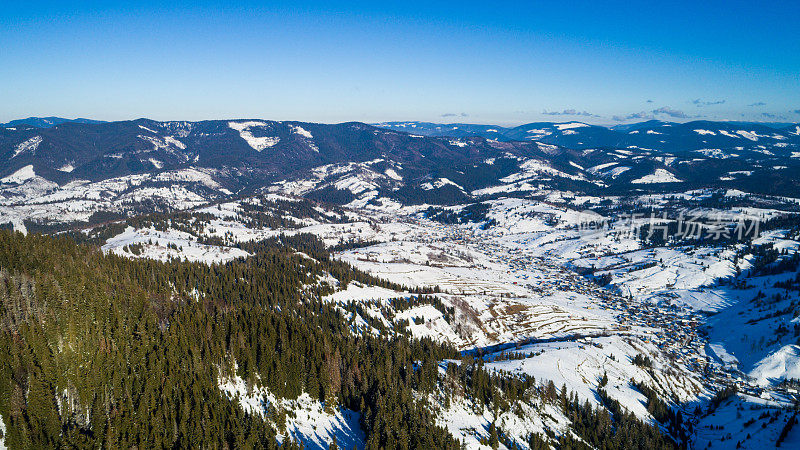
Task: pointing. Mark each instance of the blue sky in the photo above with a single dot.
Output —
(480, 62)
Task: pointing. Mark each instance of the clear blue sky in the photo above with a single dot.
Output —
(479, 62)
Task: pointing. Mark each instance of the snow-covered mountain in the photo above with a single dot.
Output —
(654, 134)
(243, 156)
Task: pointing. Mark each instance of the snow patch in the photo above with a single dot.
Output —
(723, 355)
(714, 153)
(458, 143)
(439, 183)
(175, 142)
(296, 129)
(165, 245)
(23, 174)
(576, 165)
(534, 167)
(567, 126)
(147, 129)
(393, 175)
(358, 291)
(309, 422)
(28, 146)
(781, 365)
(748, 135)
(659, 176)
(257, 143)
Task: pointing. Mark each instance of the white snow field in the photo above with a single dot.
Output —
(165, 245)
(257, 143)
(21, 175)
(28, 146)
(659, 176)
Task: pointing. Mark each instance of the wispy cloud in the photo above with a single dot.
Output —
(649, 115)
(639, 115)
(569, 112)
(757, 104)
(767, 115)
(700, 103)
(666, 110)
(455, 115)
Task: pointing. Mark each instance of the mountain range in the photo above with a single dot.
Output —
(410, 162)
(653, 134)
(45, 122)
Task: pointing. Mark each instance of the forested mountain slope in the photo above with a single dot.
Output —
(99, 350)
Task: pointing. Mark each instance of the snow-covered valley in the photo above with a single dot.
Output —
(524, 294)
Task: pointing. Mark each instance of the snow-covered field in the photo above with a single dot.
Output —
(514, 284)
(170, 244)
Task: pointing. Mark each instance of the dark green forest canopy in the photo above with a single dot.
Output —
(141, 345)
